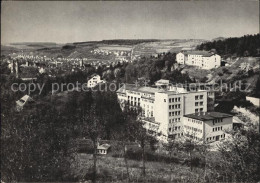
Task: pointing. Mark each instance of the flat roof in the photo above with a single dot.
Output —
(204, 116)
(203, 53)
(141, 89)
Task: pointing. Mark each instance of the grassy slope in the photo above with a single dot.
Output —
(112, 169)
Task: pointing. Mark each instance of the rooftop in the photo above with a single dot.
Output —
(142, 89)
(103, 146)
(203, 53)
(204, 116)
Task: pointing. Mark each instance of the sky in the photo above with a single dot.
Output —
(78, 21)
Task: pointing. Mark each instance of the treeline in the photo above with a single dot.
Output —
(247, 45)
(121, 41)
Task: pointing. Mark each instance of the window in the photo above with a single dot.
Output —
(170, 129)
(170, 100)
(201, 103)
(170, 107)
(196, 110)
(196, 97)
(196, 103)
(170, 113)
(201, 96)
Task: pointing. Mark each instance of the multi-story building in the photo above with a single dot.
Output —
(163, 109)
(207, 126)
(94, 80)
(201, 59)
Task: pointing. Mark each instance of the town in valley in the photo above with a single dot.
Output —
(129, 109)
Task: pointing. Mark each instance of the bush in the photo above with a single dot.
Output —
(220, 74)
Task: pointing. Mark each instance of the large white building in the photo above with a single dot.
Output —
(207, 126)
(94, 80)
(201, 59)
(163, 109)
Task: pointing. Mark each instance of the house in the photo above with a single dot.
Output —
(162, 83)
(21, 103)
(202, 59)
(207, 126)
(94, 80)
(103, 149)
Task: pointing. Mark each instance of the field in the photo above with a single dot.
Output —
(110, 169)
(115, 48)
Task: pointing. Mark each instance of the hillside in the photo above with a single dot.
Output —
(247, 45)
(245, 69)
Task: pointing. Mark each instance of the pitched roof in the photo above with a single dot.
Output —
(204, 116)
(23, 100)
(103, 146)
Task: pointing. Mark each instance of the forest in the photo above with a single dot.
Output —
(247, 45)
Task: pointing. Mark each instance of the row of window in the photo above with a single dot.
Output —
(217, 121)
(197, 97)
(174, 128)
(133, 98)
(175, 135)
(215, 138)
(198, 103)
(195, 121)
(174, 99)
(174, 120)
(193, 128)
(199, 110)
(176, 106)
(217, 129)
(134, 103)
(175, 113)
(148, 106)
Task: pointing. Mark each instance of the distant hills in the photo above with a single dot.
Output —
(218, 39)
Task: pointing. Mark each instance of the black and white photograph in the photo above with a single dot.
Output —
(130, 91)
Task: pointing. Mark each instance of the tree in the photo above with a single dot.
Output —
(93, 129)
(239, 157)
(143, 138)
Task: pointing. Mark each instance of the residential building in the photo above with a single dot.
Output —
(21, 103)
(94, 80)
(103, 149)
(162, 83)
(207, 126)
(163, 109)
(201, 59)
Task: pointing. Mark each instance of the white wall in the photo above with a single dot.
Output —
(226, 124)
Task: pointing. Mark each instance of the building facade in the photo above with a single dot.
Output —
(163, 109)
(201, 59)
(94, 80)
(207, 126)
